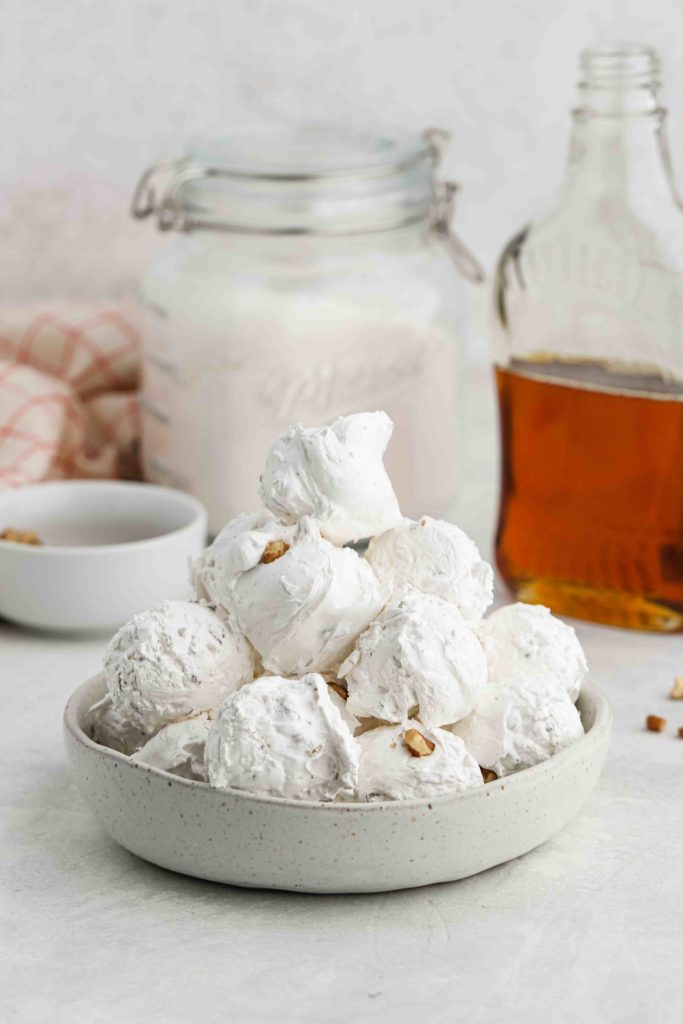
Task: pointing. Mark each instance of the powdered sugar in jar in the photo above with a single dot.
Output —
(311, 275)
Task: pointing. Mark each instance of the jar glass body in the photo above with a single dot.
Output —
(589, 365)
(249, 334)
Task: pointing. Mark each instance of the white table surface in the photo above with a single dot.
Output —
(587, 928)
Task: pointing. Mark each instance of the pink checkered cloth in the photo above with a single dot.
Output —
(68, 393)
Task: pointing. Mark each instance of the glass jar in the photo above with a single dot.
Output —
(309, 278)
(589, 320)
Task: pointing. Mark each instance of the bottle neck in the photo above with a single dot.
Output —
(618, 145)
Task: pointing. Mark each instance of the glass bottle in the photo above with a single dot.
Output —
(589, 367)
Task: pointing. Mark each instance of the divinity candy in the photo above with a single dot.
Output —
(334, 474)
(305, 671)
(437, 558)
(283, 737)
(390, 771)
(420, 654)
(174, 660)
(303, 610)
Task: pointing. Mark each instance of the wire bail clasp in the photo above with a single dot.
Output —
(157, 191)
(444, 208)
(436, 139)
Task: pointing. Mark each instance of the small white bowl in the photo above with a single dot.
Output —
(233, 837)
(110, 550)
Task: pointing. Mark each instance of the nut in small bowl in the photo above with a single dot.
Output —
(21, 536)
(109, 549)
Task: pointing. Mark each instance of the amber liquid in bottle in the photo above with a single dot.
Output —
(591, 511)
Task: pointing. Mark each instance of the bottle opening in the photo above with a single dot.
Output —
(618, 80)
(629, 65)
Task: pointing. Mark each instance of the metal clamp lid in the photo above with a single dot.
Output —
(159, 191)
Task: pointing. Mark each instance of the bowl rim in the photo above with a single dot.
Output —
(170, 494)
(591, 697)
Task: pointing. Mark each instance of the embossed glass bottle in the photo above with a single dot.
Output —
(589, 324)
(308, 277)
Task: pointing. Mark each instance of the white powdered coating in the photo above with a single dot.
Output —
(174, 660)
(437, 558)
(519, 724)
(334, 474)
(525, 642)
(178, 748)
(107, 726)
(285, 738)
(303, 611)
(419, 652)
(388, 771)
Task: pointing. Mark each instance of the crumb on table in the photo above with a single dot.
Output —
(677, 689)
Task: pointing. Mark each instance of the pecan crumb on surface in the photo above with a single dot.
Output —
(655, 724)
(273, 550)
(677, 689)
(487, 775)
(339, 688)
(21, 536)
(417, 744)
(680, 731)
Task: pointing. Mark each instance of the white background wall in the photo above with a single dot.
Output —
(93, 90)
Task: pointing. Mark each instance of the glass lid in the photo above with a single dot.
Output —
(312, 150)
(295, 178)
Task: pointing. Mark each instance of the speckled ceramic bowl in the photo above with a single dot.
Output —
(227, 836)
(111, 548)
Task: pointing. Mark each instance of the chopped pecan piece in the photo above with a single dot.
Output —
(677, 690)
(339, 688)
(417, 744)
(273, 550)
